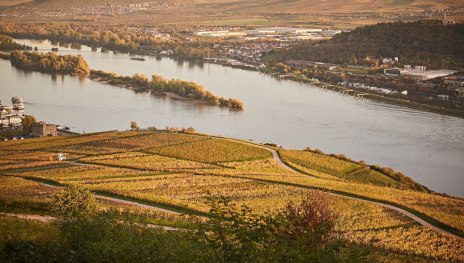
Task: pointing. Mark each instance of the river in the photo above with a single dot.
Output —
(426, 146)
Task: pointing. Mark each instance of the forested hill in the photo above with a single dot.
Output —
(428, 43)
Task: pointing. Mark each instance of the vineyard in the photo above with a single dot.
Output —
(180, 172)
(213, 151)
(332, 166)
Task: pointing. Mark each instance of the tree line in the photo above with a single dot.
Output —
(49, 62)
(185, 89)
(120, 39)
(8, 43)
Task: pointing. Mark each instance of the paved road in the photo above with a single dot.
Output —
(419, 220)
(48, 219)
(119, 200)
(126, 202)
(275, 155)
(276, 158)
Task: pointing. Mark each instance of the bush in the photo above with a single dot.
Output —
(75, 202)
(301, 232)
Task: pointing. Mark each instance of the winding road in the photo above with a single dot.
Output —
(277, 159)
(412, 216)
(117, 200)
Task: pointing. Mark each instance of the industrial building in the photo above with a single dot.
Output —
(283, 30)
(418, 72)
(220, 33)
(266, 32)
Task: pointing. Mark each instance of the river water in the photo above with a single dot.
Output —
(428, 147)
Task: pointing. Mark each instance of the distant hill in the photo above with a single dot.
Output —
(312, 13)
(418, 43)
(333, 6)
(66, 3)
(13, 2)
(270, 6)
(83, 2)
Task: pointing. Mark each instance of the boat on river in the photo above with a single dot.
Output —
(138, 58)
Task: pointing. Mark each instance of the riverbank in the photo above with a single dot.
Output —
(286, 113)
(355, 92)
(362, 93)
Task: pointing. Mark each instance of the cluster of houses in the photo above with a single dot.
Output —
(105, 8)
(253, 51)
(277, 33)
(11, 118)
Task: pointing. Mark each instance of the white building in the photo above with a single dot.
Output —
(220, 33)
(418, 72)
(283, 31)
(12, 116)
(256, 32)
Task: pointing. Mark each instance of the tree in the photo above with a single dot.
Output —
(309, 226)
(27, 122)
(81, 66)
(134, 125)
(232, 234)
(301, 232)
(78, 207)
(74, 203)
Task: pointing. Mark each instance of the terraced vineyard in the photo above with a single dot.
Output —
(213, 151)
(180, 172)
(329, 167)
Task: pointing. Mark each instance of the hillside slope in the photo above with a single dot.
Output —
(335, 6)
(418, 43)
(298, 6)
(179, 172)
(336, 13)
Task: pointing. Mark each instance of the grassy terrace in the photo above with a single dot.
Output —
(179, 172)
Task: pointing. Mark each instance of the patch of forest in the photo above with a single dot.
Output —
(49, 62)
(8, 43)
(426, 42)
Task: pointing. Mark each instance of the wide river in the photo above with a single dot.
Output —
(426, 146)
